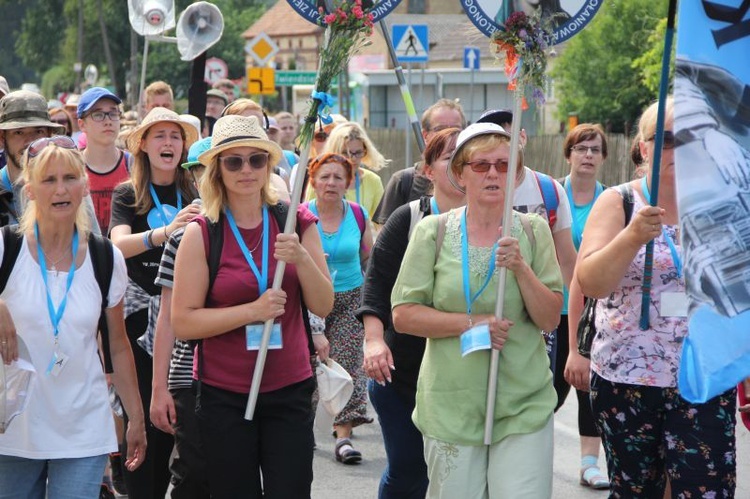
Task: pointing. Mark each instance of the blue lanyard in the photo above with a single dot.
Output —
(356, 186)
(577, 230)
(261, 276)
(470, 299)
(159, 208)
(676, 260)
(6, 179)
(55, 316)
(434, 207)
(331, 254)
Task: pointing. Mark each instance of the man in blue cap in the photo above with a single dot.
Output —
(99, 115)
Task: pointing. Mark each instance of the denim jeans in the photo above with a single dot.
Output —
(75, 478)
(405, 474)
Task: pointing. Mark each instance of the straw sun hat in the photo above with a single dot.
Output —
(160, 115)
(240, 131)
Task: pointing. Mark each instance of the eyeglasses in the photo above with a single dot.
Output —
(581, 149)
(321, 137)
(100, 115)
(668, 139)
(444, 127)
(257, 161)
(501, 165)
(356, 154)
(59, 140)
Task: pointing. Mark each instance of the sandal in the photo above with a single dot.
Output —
(347, 454)
(593, 477)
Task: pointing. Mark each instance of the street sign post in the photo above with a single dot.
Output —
(471, 62)
(216, 69)
(411, 42)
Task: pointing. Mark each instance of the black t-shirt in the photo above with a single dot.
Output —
(142, 268)
(382, 270)
(393, 197)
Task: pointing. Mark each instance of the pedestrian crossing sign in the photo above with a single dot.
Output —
(411, 42)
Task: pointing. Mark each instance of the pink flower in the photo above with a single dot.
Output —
(357, 11)
(330, 18)
(342, 14)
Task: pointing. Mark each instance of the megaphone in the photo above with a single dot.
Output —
(151, 17)
(200, 26)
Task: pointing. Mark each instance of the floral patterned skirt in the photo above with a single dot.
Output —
(347, 336)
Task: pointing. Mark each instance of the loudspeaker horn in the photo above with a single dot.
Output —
(200, 26)
(151, 17)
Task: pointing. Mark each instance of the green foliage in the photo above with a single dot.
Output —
(36, 43)
(595, 75)
(648, 65)
(58, 79)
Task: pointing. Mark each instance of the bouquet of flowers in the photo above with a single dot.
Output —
(348, 25)
(523, 44)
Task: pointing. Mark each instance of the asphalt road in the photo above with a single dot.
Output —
(336, 481)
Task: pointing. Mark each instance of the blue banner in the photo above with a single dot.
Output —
(712, 125)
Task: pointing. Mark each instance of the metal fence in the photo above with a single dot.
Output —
(543, 153)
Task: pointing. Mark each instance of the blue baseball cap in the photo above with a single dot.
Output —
(198, 148)
(93, 95)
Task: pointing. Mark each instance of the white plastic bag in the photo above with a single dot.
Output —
(335, 386)
(16, 383)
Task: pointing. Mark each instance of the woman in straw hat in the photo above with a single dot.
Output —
(59, 444)
(227, 312)
(146, 209)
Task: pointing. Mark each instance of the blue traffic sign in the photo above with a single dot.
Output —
(471, 58)
(411, 42)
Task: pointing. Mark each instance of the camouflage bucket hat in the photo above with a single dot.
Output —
(21, 109)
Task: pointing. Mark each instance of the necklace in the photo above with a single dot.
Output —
(258, 243)
(53, 265)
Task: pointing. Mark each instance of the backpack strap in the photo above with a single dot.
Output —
(359, 216)
(12, 247)
(103, 261)
(550, 196)
(407, 180)
(129, 158)
(526, 224)
(626, 191)
(215, 245)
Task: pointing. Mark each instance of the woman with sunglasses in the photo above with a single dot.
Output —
(392, 360)
(59, 116)
(344, 228)
(270, 456)
(349, 139)
(646, 426)
(58, 446)
(146, 209)
(440, 295)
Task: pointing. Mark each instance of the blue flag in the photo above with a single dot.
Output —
(712, 132)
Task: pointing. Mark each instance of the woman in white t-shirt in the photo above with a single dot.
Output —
(59, 445)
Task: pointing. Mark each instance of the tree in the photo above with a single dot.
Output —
(597, 76)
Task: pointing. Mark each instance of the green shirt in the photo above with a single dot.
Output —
(452, 390)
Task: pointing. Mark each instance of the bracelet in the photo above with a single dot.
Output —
(151, 238)
(166, 236)
(146, 241)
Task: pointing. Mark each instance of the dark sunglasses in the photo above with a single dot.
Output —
(668, 139)
(320, 136)
(59, 140)
(484, 166)
(234, 163)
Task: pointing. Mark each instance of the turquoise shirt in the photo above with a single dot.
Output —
(451, 389)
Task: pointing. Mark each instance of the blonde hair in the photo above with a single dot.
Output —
(647, 122)
(242, 106)
(157, 88)
(33, 171)
(140, 176)
(343, 133)
(214, 193)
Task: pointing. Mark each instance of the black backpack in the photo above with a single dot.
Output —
(102, 259)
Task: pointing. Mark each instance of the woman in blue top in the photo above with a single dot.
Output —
(347, 239)
(585, 149)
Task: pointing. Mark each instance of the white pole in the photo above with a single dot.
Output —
(515, 134)
(144, 64)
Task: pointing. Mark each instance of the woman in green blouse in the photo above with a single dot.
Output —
(443, 292)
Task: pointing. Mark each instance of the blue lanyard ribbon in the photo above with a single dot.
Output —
(434, 210)
(159, 208)
(55, 316)
(262, 275)
(676, 260)
(470, 299)
(6, 179)
(331, 254)
(577, 229)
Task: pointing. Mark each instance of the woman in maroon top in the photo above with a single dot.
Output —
(270, 456)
